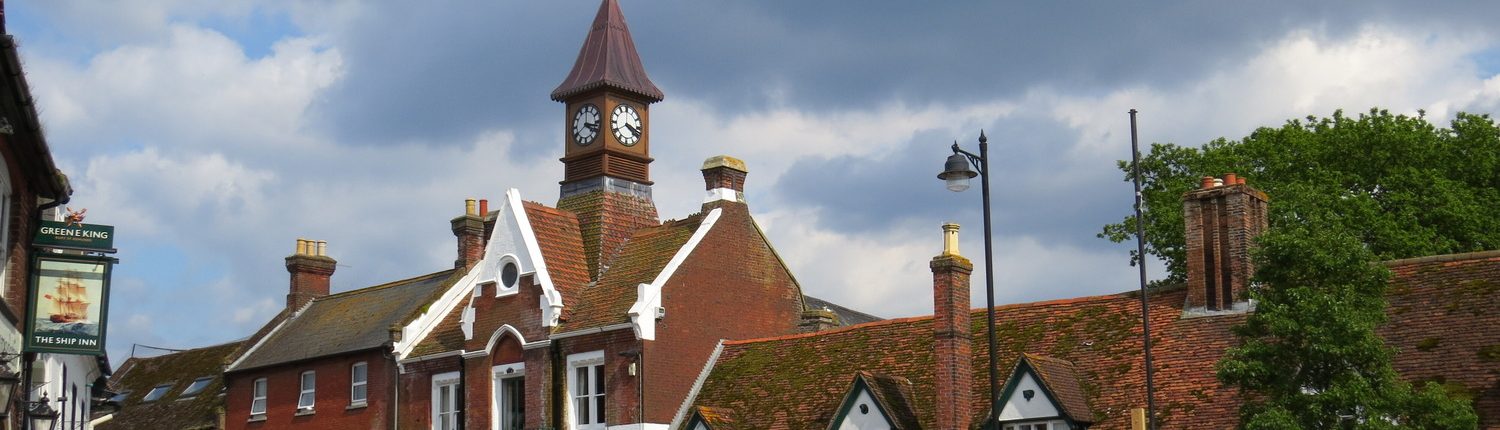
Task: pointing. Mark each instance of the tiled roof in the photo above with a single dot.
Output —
(795, 382)
(558, 235)
(1099, 333)
(447, 336)
(346, 322)
(1061, 379)
(139, 375)
(608, 59)
(1442, 319)
(643, 258)
(846, 316)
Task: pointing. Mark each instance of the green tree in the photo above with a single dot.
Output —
(1310, 357)
(1404, 186)
(1345, 193)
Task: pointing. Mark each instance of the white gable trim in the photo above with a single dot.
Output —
(495, 338)
(236, 364)
(552, 301)
(860, 411)
(648, 296)
(687, 402)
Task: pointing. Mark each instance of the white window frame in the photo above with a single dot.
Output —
(594, 361)
(258, 397)
(310, 393)
(440, 382)
(1032, 425)
(498, 374)
(356, 383)
(187, 393)
(501, 289)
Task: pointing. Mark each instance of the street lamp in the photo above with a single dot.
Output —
(41, 414)
(956, 173)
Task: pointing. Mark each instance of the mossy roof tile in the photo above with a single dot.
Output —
(139, 375)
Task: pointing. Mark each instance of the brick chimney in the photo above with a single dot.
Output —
(814, 320)
(469, 229)
(311, 269)
(724, 178)
(1223, 217)
(952, 348)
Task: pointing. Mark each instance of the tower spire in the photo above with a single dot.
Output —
(608, 59)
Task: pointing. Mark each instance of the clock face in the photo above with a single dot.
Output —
(586, 125)
(626, 124)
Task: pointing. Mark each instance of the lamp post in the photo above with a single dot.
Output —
(956, 173)
(41, 414)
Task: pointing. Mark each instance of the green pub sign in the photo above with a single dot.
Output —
(69, 304)
(86, 237)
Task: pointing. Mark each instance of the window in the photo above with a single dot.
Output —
(509, 397)
(1036, 426)
(586, 389)
(309, 385)
(157, 393)
(359, 379)
(196, 387)
(258, 398)
(445, 401)
(4, 224)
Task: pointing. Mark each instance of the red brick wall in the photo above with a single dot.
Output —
(416, 390)
(469, 231)
(331, 403)
(954, 342)
(732, 286)
(22, 213)
(620, 388)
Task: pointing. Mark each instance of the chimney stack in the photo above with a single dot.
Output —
(814, 320)
(1222, 219)
(953, 345)
(311, 269)
(724, 178)
(469, 229)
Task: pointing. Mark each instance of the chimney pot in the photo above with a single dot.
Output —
(1218, 183)
(468, 206)
(950, 239)
(1231, 179)
(1208, 182)
(322, 248)
(484, 207)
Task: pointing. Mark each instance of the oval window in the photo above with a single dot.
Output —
(510, 274)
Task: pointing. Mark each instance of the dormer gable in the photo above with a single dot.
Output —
(1044, 393)
(876, 402)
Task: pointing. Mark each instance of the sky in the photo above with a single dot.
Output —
(214, 134)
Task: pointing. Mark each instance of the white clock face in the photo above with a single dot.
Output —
(586, 125)
(626, 124)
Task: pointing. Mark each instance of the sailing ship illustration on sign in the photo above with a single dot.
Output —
(70, 299)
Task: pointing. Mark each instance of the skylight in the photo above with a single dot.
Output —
(120, 397)
(157, 392)
(197, 386)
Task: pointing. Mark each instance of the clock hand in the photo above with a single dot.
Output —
(633, 130)
(591, 126)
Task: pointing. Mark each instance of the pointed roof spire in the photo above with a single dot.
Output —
(608, 59)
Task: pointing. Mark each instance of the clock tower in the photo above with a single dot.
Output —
(607, 139)
(607, 121)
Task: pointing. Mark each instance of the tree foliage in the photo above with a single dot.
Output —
(1345, 194)
(1311, 358)
(1405, 187)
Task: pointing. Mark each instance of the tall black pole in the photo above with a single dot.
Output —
(1140, 252)
(989, 281)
